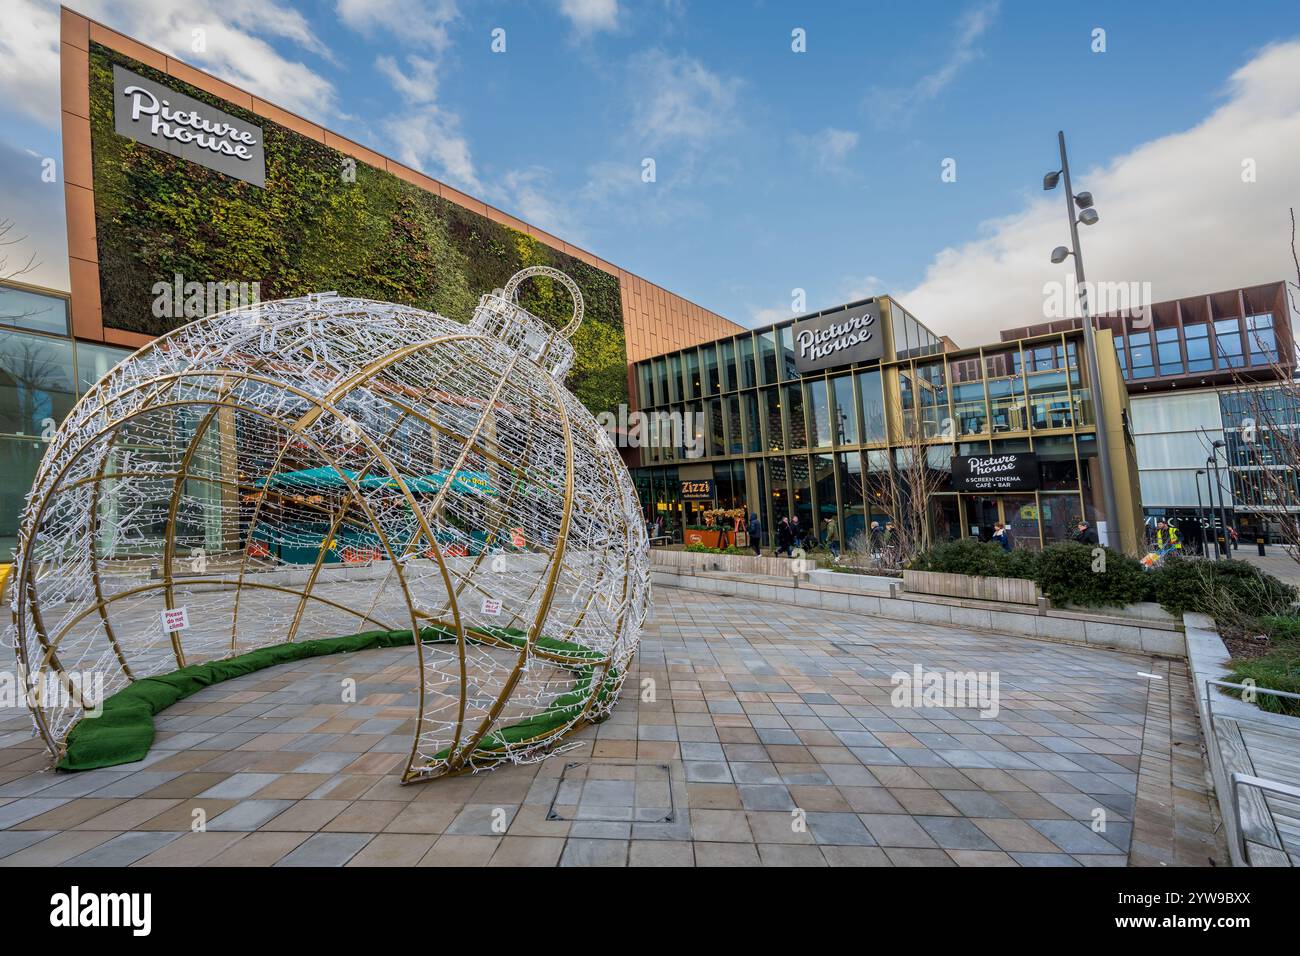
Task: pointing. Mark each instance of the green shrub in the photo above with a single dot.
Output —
(1020, 563)
(1178, 585)
(1233, 592)
(968, 556)
(1066, 575)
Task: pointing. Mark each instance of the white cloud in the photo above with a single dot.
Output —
(828, 149)
(29, 60)
(529, 193)
(1174, 212)
(676, 100)
(233, 44)
(428, 138)
(591, 16)
(426, 134)
(413, 22)
(889, 103)
(679, 113)
(418, 85)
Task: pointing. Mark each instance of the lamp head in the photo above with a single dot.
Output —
(1089, 217)
(1050, 181)
(1059, 254)
(1083, 200)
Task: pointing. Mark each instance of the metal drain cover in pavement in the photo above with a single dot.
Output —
(614, 792)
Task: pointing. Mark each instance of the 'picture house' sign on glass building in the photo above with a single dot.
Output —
(810, 416)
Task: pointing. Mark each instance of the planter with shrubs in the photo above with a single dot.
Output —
(1072, 574)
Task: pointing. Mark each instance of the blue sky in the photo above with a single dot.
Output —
(778, 170)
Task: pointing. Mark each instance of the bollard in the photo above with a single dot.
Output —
(1260, 542)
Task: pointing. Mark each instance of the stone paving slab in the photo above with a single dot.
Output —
(748, 734)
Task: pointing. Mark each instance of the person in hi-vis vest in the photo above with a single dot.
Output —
(1167, 536)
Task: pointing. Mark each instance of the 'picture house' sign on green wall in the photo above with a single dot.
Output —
(166, 205)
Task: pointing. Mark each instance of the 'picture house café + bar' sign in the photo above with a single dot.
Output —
(1016, 471)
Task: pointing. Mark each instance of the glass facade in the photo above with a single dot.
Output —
(822, 445)
(43, 372)
(1190, 338)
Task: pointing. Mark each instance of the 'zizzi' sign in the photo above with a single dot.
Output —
(150, 113)
(837, 338)
(1014, 471)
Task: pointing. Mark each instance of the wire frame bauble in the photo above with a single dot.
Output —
(325, 466)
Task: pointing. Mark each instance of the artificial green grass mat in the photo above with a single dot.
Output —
(124, 731)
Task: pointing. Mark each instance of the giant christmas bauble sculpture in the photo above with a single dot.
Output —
(327, 466)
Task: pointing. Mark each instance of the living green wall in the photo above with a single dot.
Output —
(312, 230)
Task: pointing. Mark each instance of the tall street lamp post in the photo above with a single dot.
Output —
(1088, 216)
(1200, 512)
(1223, 511)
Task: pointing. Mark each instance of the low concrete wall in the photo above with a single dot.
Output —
(862, 583)
(1002, 590)
(1161, 638)
(738, 563)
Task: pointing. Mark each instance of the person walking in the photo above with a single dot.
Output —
(1002, 536)
(755, 529)
(784, 538)
(1085, 534)
(890, 552)
(796, 533)
(832, 536)
(1167, 538)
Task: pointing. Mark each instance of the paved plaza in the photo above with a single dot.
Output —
(748, 733)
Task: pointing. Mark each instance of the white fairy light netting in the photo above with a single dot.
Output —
(324, 466)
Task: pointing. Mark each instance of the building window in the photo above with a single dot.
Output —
(675, 377)
(1169, 352)
(1007, 404)
(819, 413)
(852, 489)
(801, 494)
(795, 415)
(823, 481)
(1049, 400)
(1139, 354)
(747, 379)
(19, 459)
(734, 443)
(37, 384)
(729, 365)
(775, 433)
(753, 423)
(692, 382)
(96, 361)
(1122, 356)
(1197, 339)
(933, 394)
(717, 439)
(1262, 339)
(767, 354)
(661, 382)
(1227, 333)
(779, 492)
(712, 383)
(644, 385)
(872, 406)
(846, 417)
(33, 311)
(787, 353)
